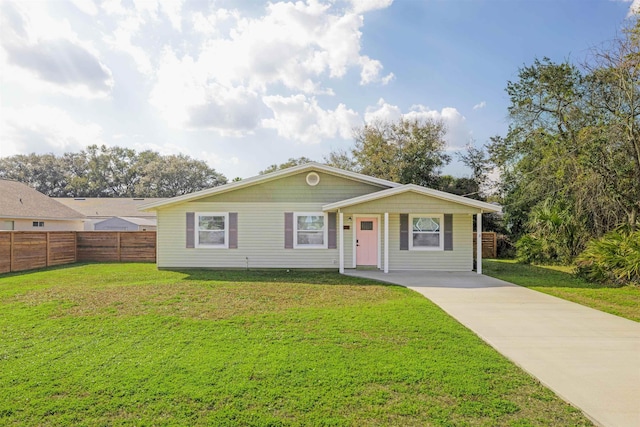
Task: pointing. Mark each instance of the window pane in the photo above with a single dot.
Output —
(426, 224)
(211, 237)
(426, 240)
(310, 222)
(366, 225)
(310, 238)
(211, 222)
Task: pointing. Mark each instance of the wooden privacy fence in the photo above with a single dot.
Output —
(489, 244)
(26, 250)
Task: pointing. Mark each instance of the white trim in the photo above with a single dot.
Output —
(260, 179)
(386, 242)
(196, 229)
(479, 243)
(312, 179)
(325, 234)
(355, 232)
(486, 207)
(440, 233)
(341, 241)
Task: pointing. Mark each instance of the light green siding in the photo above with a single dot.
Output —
(260, 238)
(295, 189)
(459, 259)
(410, 203)
(261, 211)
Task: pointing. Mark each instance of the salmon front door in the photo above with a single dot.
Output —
(367, 241)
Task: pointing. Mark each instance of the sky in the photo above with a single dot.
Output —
(245, 84)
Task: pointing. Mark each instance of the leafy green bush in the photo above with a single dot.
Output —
(530, 250)
(612, 259)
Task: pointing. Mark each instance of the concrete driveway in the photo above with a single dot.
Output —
(589, 358)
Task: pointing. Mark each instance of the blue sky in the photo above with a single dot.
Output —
(245, 84)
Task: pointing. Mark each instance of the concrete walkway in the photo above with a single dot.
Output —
(589, 358)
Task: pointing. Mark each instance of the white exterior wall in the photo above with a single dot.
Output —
(260, 238)
(49, 225)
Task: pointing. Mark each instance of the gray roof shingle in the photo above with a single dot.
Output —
(107, 207)
(18, 200)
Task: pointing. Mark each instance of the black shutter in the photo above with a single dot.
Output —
(233, 230)
(404, 232)
(288, 230)
(448, 232)
(333, 238)
(190, 229)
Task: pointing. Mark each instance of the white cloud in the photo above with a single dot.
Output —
(302, 119)
(86, 6)
(382, 112)
(360, 6)
(44, 129)
(34, 45)
(295, 45)
(480, 105)
(458, 135)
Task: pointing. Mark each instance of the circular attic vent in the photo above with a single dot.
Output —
(313, 179)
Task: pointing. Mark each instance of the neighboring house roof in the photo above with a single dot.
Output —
(18, 200)
(107, 207)
(148, 222)
(484, 206)
(312, 166)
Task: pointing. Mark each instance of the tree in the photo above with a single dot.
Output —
(341, 159)
(572, 152)
(176, 175)
(289, 163)
(110, 172)
(405, 151)
(45, 173)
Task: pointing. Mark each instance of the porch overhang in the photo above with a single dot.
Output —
(477, 205)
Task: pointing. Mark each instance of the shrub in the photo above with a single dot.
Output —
(612, 259)
(505, 249)
(530, 250)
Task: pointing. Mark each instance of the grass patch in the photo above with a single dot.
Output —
(560, 282)
(125, 344)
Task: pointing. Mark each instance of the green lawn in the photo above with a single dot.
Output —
(558, 281)
(125, 344)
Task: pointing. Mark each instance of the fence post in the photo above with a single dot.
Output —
(48, 248)
(11, 243)
(119, 248)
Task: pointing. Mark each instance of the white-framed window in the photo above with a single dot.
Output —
(211, 230)
(38, 223)
(426, 232)
(309, 230)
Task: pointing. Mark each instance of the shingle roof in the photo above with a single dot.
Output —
(107, 207)
(232, 186)
(18, 200)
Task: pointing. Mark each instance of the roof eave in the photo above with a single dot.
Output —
(259, 179)
(482, 206)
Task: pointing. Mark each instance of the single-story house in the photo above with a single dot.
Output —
(23, 208)
(126, 223)
(99, 209)
(318, 217)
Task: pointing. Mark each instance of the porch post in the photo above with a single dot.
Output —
(341, 241)
(479, 243)
(386, 242)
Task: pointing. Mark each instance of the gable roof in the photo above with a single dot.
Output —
(260, 179)
(21, 201)
(107, 207)
(483, 206)
(133, 220)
